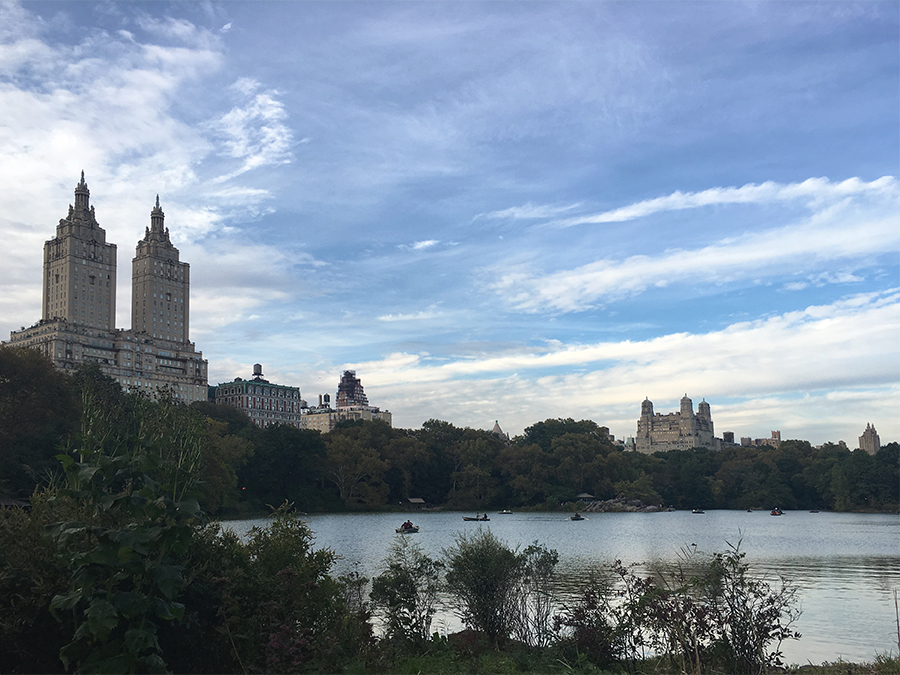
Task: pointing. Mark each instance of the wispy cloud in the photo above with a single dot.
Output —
(814, 191)
(846, 230)
(529, 212)
(425, 315)
(255, 132)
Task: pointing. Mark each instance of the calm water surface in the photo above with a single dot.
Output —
(846, 566)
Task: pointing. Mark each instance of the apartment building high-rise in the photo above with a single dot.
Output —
(160, 284)
(78, 316)
(351, 404)
(869, 441)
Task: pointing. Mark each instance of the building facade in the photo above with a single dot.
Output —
(263, 402)
(351, 404)
(869, 441)
(78, 315)
(681, 430)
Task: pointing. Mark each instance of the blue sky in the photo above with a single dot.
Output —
(492, 211)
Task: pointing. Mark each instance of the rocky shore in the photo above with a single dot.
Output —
(622, 505)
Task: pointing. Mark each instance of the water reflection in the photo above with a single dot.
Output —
(846, 566)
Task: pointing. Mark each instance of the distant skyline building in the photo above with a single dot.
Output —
(869, 441)
(499, 433)
(263, 402)
(351, 404)
(78, 316)
(680, 430)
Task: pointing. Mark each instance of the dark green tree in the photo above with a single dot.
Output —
(38, 411)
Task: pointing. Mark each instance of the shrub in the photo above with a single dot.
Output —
(536, 596)
(406, 593)
(584, 627)
(502, 592)
(700, 615)
(483, 574)
(751, 617)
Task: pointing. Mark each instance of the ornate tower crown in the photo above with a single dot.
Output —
(82, 195)
(157, 218)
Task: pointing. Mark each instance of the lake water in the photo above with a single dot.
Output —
(846, 566)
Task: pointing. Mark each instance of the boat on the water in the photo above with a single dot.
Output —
(407, 528)
(505, 512)
(480, 519)
(697, 511)
(577, 516)
(776, 512)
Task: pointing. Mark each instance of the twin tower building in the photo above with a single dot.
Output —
(78, 318)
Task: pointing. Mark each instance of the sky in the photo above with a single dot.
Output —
(508, 211)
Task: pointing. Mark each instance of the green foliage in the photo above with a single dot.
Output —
(356, 471)
(31, 574)
(701, 616)
(584, 628)
(752, 619)
(536, 595)
(38, 410)
(369, 465)
(135, 518)
(406, 593)
(483, 575)
(223, 455)
(287, 464)
(501, 592)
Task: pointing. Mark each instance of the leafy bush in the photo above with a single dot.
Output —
(536, 595)
(135, 519)
(483, 574)
(702, 614)
(502, 592)
(584, 629)
(406, 593)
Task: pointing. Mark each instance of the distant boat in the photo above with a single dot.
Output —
(814, 511)
(776, 512)
(577, 516)
(480, 519)
(698, 511)
(407, 528)
(505, 512)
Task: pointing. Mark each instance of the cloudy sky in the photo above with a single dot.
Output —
(492, 211)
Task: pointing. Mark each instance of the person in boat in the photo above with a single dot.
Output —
(407, 525)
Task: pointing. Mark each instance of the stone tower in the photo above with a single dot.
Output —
(160, 285)
(80, 269)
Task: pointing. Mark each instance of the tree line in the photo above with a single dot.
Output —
(371, 466)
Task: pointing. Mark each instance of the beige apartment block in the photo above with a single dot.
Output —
(680, 430)
(869, 441)
(351, 404)
(79, 308)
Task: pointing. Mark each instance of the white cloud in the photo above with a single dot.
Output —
(422, 245)
(846, 346)
(529, 212)
(426, 315)
(847, 230)
(813, 190)
(255, 132)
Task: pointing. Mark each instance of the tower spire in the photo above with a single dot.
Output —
(82, 194)
(157, 219)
